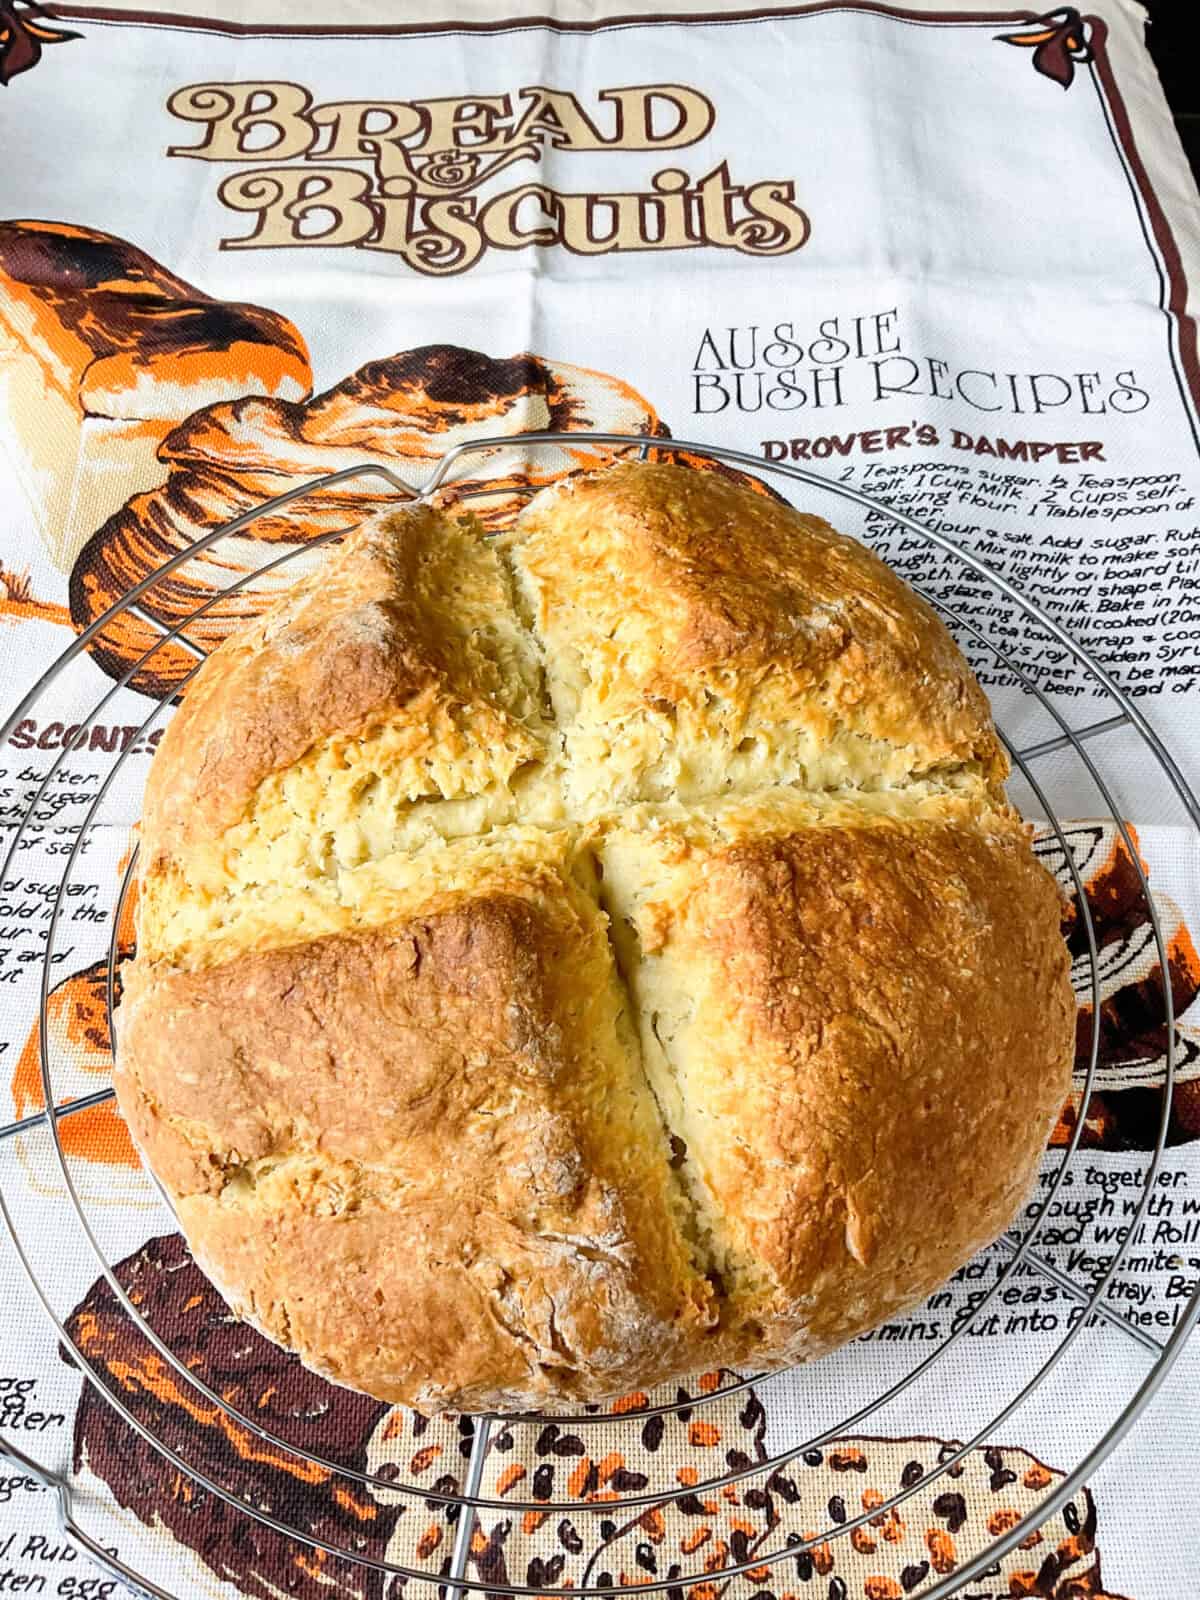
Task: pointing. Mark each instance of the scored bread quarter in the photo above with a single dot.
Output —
(581, 958)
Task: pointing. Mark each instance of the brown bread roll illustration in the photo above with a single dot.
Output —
(402, 412)
(585, 1473)
(259, 1379)
(102, 352)
(609, 944)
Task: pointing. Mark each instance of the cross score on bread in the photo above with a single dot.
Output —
(589, 956)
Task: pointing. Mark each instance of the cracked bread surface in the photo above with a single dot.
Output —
(576, 959)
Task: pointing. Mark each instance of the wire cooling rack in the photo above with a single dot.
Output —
(472, 1503)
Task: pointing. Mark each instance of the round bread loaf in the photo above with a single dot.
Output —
(576, 959)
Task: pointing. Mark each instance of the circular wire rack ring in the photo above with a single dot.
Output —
(470, 1501)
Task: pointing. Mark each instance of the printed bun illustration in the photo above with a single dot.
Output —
(573, 959)
(895, 1554)
(77, 1015)
(101, 1158)
(403, 412)
(1125, 1111)
(102, 352)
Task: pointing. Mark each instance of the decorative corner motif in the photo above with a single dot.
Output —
(22, 35)
(1059, 40)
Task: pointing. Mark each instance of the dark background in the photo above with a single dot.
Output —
(1169, 35)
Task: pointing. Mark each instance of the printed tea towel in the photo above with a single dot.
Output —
(939, 256)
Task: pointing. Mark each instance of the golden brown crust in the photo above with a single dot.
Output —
(444, 1010)
(360, 640)
(900, 984)
(419, 1118)
(676, 601)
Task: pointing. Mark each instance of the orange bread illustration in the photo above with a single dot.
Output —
(78, 1048)
(102, 352)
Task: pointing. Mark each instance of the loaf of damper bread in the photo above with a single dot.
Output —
(573, 960)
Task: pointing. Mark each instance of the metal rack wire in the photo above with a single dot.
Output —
(1022, 1249)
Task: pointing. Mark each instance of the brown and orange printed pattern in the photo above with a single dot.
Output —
(19, 602)
(305, 1412)
(80, 1051)
(1059, 42)
(1127, 1104)
(821, 1508)
(586, 1476)
(77, 1014)
(103, 351)
(24, 33)
(136, 319)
